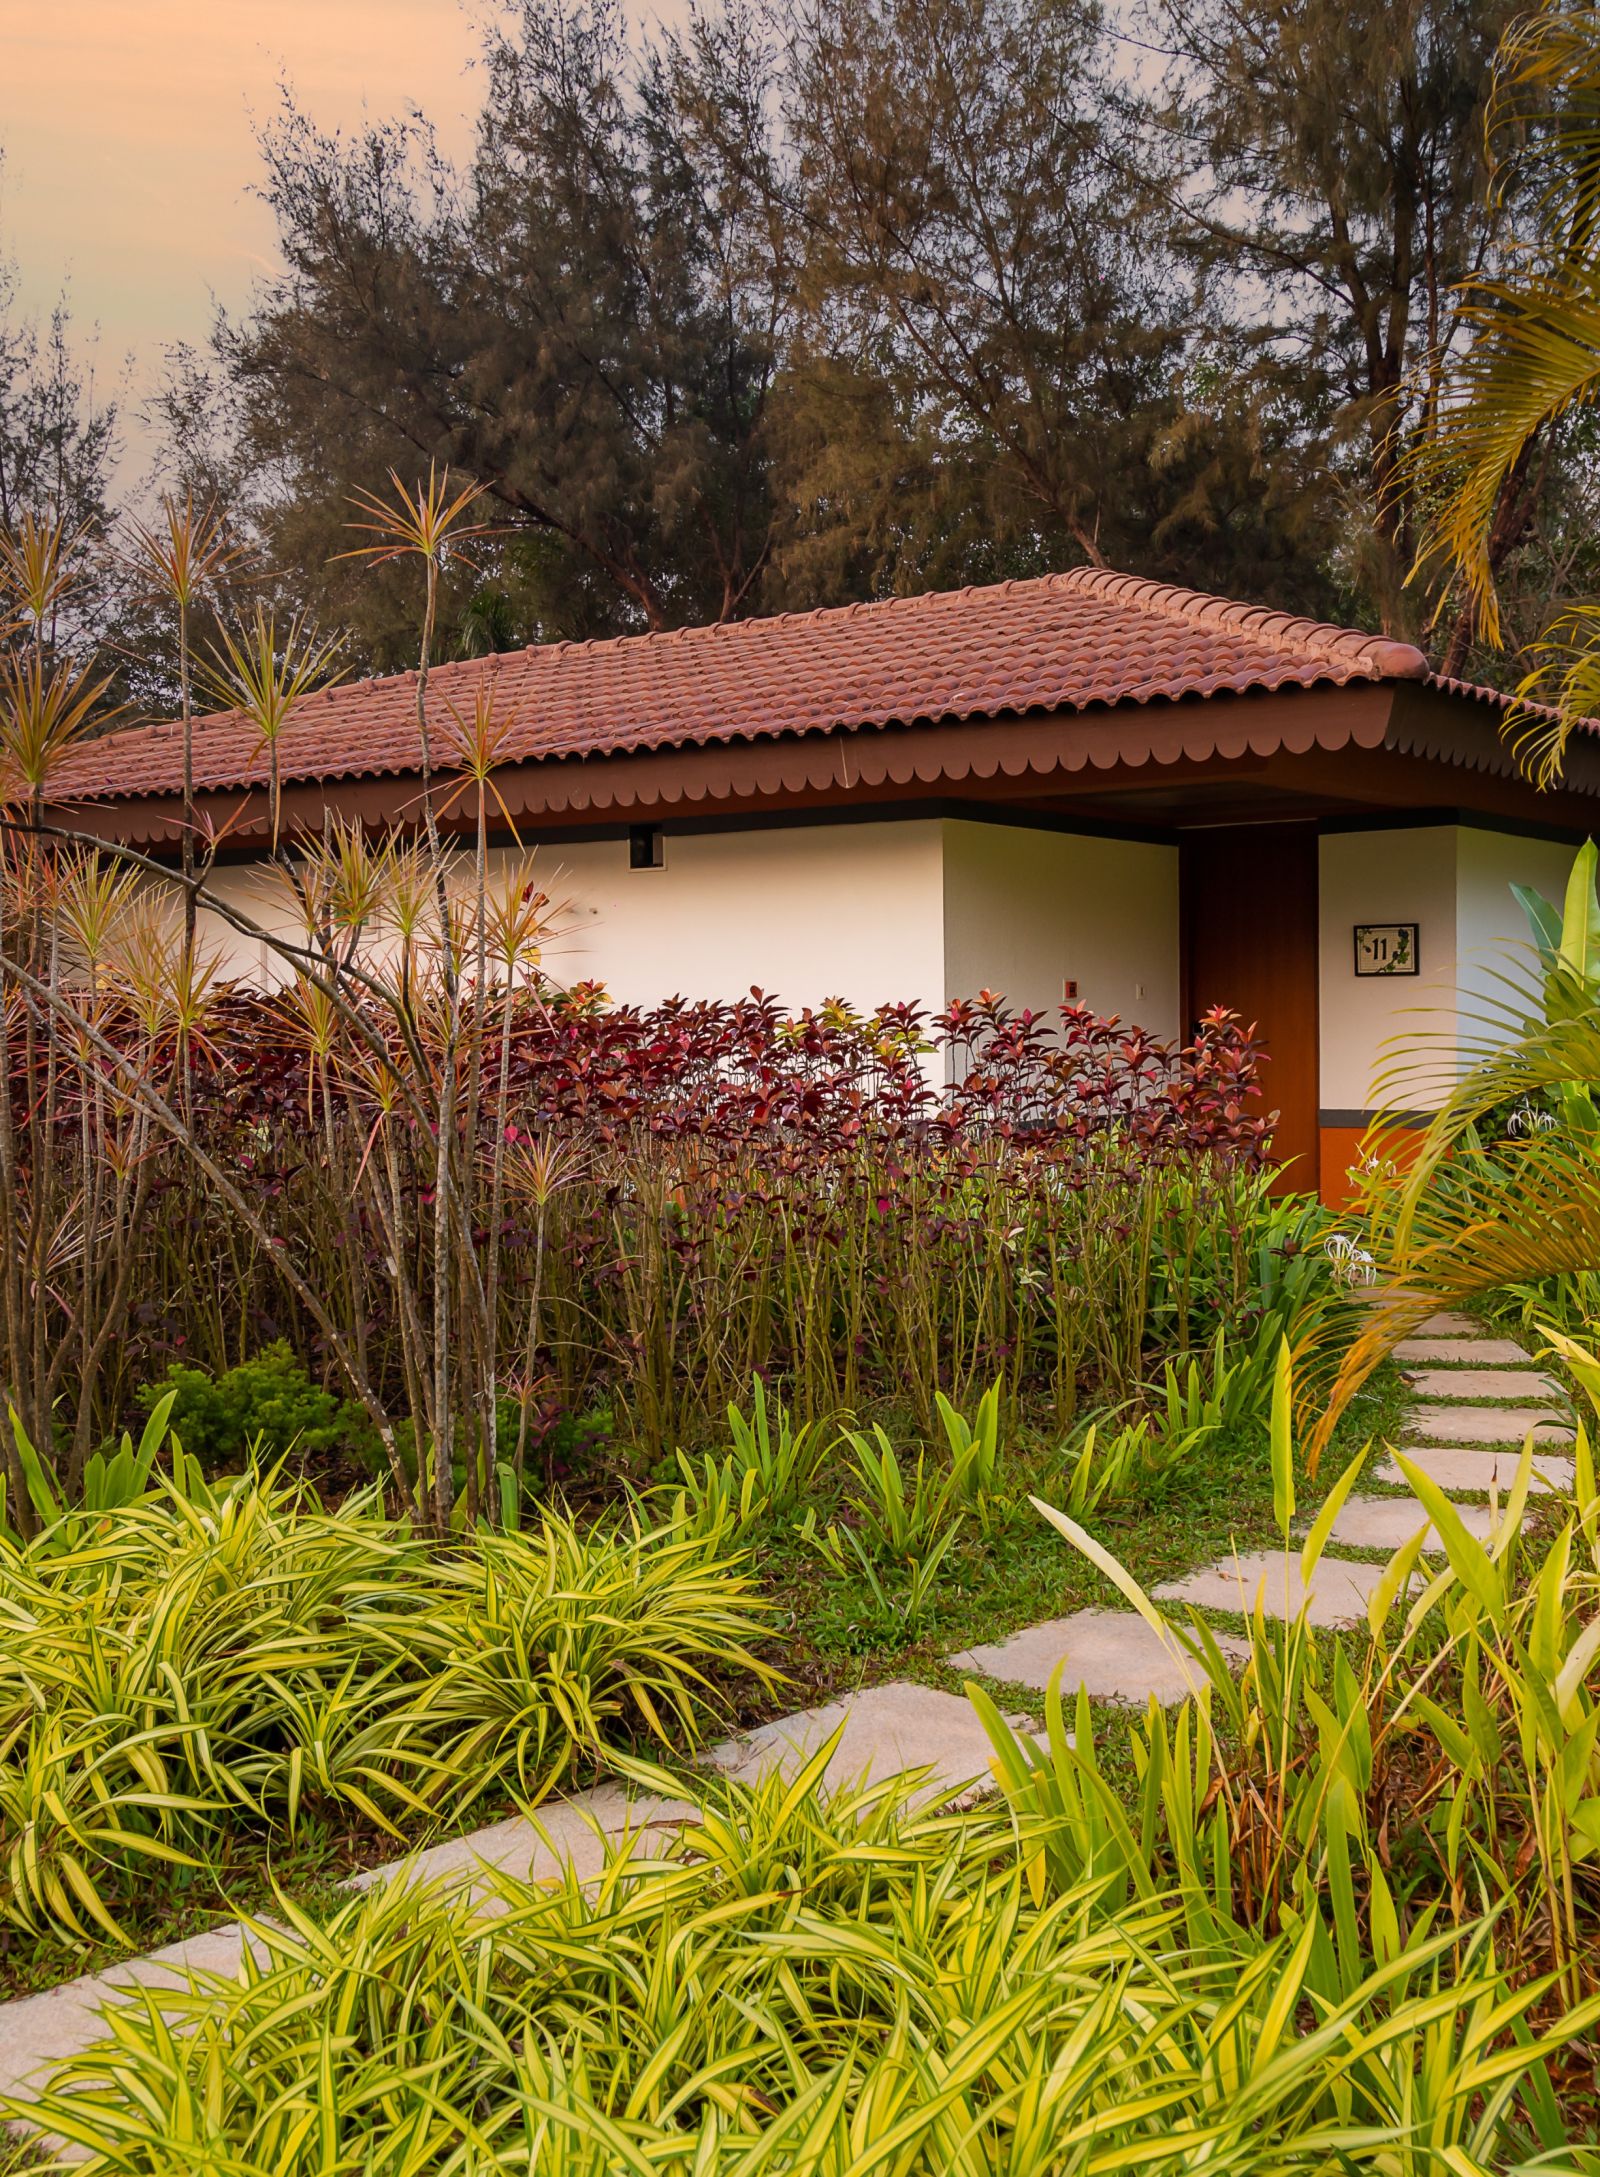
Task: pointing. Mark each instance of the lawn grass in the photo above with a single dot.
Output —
(830, 1638)
(833, 1637)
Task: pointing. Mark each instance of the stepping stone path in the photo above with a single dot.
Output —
(1468, 1449)
(566, 1833)
(1461, 1472)
(1472, 1353)
(1388, 1523)
(1487, 1425)
(1113, 1654)
(1444, 1384)
(1473, 1449)
(1338, 1594)
(886, 1729)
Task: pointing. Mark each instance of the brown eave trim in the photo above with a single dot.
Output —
(1458, 728)
(862, 765)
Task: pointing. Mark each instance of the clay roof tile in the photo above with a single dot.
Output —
(1092, 638)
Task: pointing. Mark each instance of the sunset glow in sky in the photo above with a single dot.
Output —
(128, 148)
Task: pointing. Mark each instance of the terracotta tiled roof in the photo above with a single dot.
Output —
(1061, 642)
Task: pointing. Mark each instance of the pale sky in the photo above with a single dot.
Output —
(126, 129)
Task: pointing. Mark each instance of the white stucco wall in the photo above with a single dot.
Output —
(923, 911)
(1383, 876)
(260, 893)
(1455, 882)
(851, 911)
(252, 889)
(1498, 967)
(1026, 910)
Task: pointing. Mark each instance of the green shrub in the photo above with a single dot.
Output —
(903, 1521)
(265, 1407)
(1113, 1464)
(903, 1513)
(113, 1479)
(1568, 1301)
(762, 1477)
(974, 1448)
(1251, 1266)
(560, 1446)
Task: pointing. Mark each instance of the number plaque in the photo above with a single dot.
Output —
(1386, 948)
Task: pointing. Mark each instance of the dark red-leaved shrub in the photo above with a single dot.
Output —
(748, 1071)
(677, 1196)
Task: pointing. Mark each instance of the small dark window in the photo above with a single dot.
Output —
(646, 848)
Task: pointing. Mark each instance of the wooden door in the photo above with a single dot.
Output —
(1249, 906)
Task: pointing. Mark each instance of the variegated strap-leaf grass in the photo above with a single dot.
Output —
(819, 1986)
(240, 1660)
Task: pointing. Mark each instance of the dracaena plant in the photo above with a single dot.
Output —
(412, 1043)
(477, 1198)
(183, 557)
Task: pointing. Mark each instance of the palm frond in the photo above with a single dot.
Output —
(1451, 1221)
(1533, 356)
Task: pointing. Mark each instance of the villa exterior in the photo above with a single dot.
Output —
(1085, 785)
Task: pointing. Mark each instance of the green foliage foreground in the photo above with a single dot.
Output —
(208, 1660)
(823, 1987)
(1340, 1914)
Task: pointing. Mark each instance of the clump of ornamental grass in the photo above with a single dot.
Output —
(817, 1986)
(239, 1658)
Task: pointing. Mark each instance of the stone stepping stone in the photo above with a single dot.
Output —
(1447, 1383)
(1449, 1325)
(1113, 1654)
(1388, 1523)
(1338, 1595)
(564, 1833)
(887, 1729)
(1486, 1425)
(39, 2032)
(1465, 1352)
(1458, 1467)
